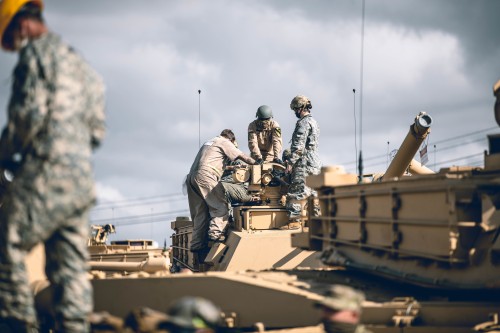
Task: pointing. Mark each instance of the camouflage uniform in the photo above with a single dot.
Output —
(305, 161)
(55, 119)
(207, 203)
(264, 139)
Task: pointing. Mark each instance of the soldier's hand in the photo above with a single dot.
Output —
(288, 168)
(259, 161)
(277, 160)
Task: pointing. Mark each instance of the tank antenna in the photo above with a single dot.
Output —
(355, 130)
(360, 163)
(199, 118)
(387, 157)
(434, 158)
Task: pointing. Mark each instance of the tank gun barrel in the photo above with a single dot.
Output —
(416, 135)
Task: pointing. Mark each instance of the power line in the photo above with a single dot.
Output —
(435, 143)
(138, 217)
(118, 202)
(142, 203)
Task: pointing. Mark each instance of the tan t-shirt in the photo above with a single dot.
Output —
(214, 155)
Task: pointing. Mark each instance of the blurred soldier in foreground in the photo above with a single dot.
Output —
(496, 93)
(264, 137)
(55, 119)
(193, 315)
(303, 159)
(341, 310)
(209, 212)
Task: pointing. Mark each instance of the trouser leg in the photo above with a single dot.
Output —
(16, 239)
(297, 191)
(66, 269)
(199, 215)
(219, 212)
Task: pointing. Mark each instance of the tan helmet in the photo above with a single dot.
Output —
(300, 102)
(9, 9)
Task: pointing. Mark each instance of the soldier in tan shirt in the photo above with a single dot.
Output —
(264, 137)
(208, 212)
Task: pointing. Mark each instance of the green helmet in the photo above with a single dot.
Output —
(340, 297)
(300, 102)
(264, 112)
(194, 313)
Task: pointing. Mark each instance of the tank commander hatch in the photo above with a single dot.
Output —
(341, 310)
(55, 119)
(264, 137)
(209, 211)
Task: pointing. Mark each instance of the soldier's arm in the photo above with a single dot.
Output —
(28, 105)
(246, 159)
(299, 142)
(253, 144)
(277, 141)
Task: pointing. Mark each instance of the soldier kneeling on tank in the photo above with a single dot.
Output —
(341, 310)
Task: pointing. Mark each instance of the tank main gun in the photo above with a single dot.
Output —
(416, 135)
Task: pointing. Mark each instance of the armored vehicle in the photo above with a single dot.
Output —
(423, 248)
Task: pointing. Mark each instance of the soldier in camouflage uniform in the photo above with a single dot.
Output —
(303, 159)
(55, 120)
(264, 137)
(207, 203)
(341, 310)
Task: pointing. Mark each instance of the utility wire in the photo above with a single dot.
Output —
(155, 197)
(136, 217)
(435, 143)
(141, 203)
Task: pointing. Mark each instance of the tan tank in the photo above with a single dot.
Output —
(437, 230)
(424, 249)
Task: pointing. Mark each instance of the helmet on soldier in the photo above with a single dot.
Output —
(194, 313)
(8, 10)
(264, 112)
(300, 102)
(340, 298)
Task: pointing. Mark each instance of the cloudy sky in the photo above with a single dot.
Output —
(438, 56)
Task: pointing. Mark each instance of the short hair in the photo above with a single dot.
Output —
(227, 133)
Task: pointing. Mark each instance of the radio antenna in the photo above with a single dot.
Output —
(360, 163)
(355, 129)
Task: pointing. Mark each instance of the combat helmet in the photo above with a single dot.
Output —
(340, 298)
(8, 10)
(264, 112)
(194, 313)
(300, 102)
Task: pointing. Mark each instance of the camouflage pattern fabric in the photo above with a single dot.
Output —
(55, 118)
(305, 161)
(264, 139)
